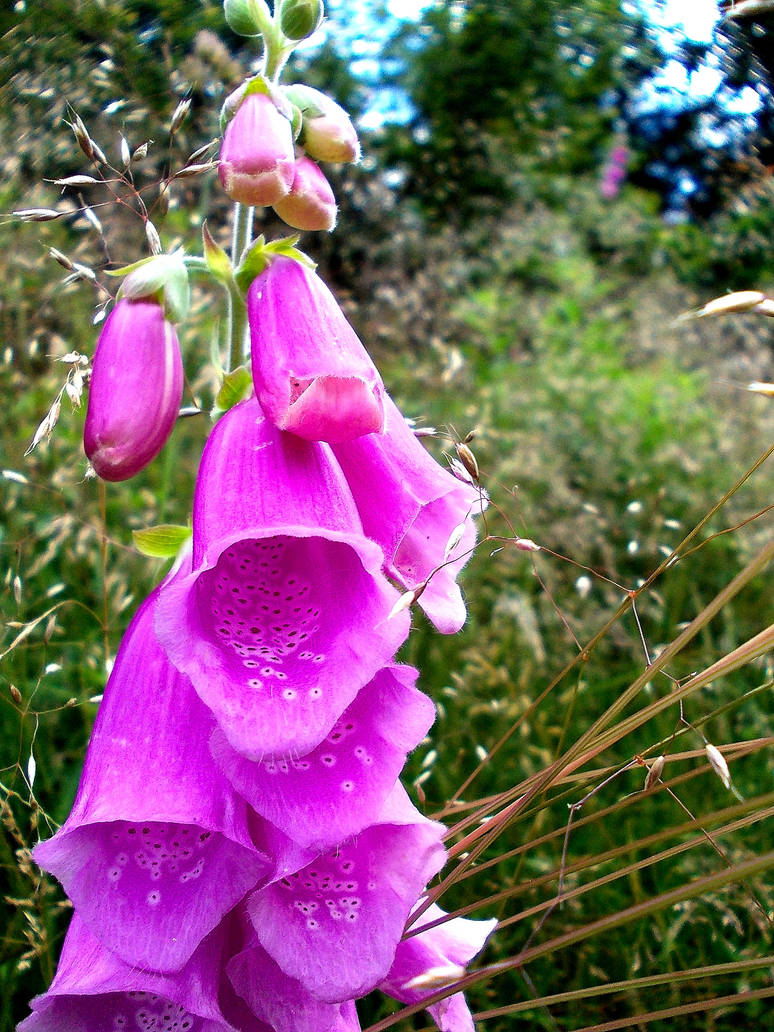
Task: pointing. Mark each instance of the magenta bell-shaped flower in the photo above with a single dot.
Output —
(312, 375)
(135, 390)
(285, 616)
(411, 506)
(257, 159)
(337, 789)
(157, 847)
(310, 205)
(282, 1002)
(428, 951)
(94, 991)
(335, 924)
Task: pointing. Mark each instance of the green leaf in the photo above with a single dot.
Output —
(218, 261)
(236, 386)
(161, 542)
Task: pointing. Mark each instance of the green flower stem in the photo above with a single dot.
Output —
(237, 326)
(236, 314)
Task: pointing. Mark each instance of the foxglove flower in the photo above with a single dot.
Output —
(257, 158)
(95, 991)
(337, 789)
(448, 946)
(135, 390)
(312, 375)
(157, 848)
(279, 1000)
(284, 618)
(410, 505)
(335, 925)
(310, 205)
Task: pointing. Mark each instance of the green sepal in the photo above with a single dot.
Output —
(286, 246)
(258, 84)
(218, 262)
(126, 269)
(311, 102)
(252, 264)
(260, 254)
(297, 122)
(161, 542)
(163, 278)
(237, 386)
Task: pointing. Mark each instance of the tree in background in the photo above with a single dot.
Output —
(497, 84)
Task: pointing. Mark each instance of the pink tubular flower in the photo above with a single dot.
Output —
(336, 789)
(448, 946)
(410, 505)
(284, 618)
(256, 158)
(335, 925)
(312, 375)
(135, 390)
(310, 205)
(94, 991)
(279, 1000)
(157, 848)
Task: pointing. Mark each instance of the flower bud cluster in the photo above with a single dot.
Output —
(241, 853)
(263, 162)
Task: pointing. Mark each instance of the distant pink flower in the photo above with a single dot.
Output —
(312, 375)
(310, 205)
(257, 158)
(614, 172)
(135, 390)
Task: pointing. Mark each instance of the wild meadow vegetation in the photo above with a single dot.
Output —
(500, 293)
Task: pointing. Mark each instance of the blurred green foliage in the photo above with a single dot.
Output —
(539, 315)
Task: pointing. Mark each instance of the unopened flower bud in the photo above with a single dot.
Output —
(135, 390)
(327, 133)
(310, 205)
(246, 17)
(300, 18)
(256, 158)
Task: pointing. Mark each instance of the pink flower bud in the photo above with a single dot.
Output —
(256, 157)
(327, 133)
(135, 390)
(310, 205)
